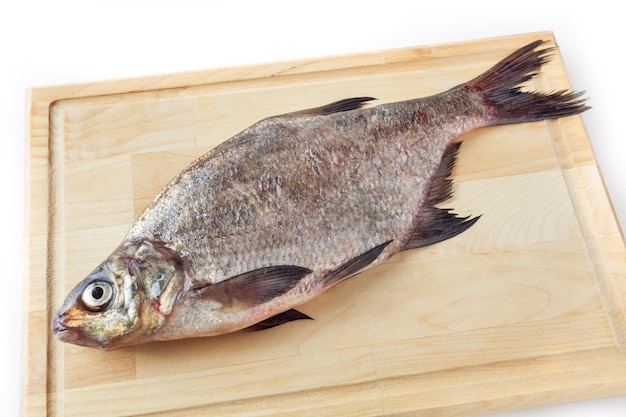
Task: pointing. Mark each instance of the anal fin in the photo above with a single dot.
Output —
(432, 224)
(277, 320)
(436, 225)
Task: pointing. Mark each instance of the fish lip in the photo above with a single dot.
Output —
(73, 335)
(66, 334)
(58, 328)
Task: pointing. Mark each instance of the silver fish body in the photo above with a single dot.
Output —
(292, 206)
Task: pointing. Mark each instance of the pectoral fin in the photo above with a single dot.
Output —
(277, 320)
(255, 287)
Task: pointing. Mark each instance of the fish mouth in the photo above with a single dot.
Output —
(63, 333)
(58, 328)
(73, 335)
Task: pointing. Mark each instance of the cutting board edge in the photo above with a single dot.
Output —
(179, 80)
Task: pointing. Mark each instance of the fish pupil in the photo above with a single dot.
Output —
(97, 293)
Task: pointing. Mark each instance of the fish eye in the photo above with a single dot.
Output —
(97, 295)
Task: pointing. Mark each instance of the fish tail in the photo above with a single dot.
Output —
(500, 89)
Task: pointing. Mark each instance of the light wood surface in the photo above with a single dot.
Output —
(526, 308)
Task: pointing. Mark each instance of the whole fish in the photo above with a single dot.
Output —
(293, 205)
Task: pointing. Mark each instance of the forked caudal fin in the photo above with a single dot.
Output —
(500, 89)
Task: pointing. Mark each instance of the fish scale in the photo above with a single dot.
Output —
(300, 196)
(293, 205)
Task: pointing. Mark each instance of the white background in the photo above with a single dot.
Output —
(61, 42)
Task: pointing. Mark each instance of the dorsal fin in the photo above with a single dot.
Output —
(334, 107)
(433, 224)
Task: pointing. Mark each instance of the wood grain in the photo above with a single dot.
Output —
(526, 308)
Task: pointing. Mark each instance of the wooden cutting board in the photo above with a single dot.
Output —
(525, 308)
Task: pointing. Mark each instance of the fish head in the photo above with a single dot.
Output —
(124, 301)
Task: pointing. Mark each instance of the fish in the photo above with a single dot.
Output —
(294, 205)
